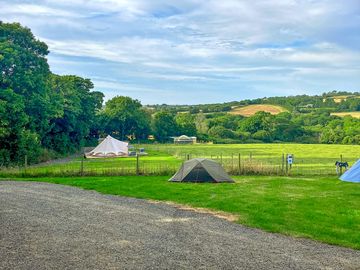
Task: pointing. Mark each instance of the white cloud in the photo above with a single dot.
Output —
(210, 42)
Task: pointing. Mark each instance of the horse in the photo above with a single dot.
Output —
(340, 165)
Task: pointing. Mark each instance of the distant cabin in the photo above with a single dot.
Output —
(183, 139)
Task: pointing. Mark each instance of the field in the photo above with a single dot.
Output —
(324, 209)
(250, 110)
(339, 99)
(165, 159)
(309, 159)
(342, 114)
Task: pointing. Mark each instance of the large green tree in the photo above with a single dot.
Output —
(186, 124)
(164, 126)
(78, 107)
(38, 109)
(124, 117)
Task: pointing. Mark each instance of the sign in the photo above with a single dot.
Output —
(290, 159)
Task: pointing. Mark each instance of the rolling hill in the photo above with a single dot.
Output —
(342, 114)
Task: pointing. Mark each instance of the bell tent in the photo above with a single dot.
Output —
(201, 170)
(353, 174)
(110, 147)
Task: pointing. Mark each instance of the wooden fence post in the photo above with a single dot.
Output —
(25, 163)
(82, 167)
(341, 160)
(232, 162)
(283, 164)
(137, 164)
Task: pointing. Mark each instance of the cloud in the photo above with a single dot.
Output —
(233, 49)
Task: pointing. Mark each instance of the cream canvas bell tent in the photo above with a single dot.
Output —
(110, 147)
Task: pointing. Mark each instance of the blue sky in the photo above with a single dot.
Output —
(199, 51)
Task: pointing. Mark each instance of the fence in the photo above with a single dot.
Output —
(168, 164)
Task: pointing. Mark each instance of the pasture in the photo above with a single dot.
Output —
(250, 110)
(343, 114)
(323, 209)
(237, 159)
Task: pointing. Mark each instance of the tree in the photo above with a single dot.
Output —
(73, 121)
(15, 140)
(25, 70)
(164, 126)
(39, 110)
(186, 124)
(221, 132)
(201, 123)
(124, 117)
(259, 121)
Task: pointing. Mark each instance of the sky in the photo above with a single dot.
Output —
(199, 51)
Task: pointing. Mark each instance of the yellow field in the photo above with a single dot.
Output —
(339, 99)
(342, 114)
(252, 109)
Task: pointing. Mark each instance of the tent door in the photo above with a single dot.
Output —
(198, 174)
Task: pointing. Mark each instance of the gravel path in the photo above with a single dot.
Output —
(46, 226)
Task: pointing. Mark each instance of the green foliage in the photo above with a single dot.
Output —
(164, 125)
(221, 132)
(39, 110)
(76, 108)
(124, 117)
(186, 124)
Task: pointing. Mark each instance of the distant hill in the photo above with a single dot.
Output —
(250, 110)
(342, 114)
(339, 99)
(334, 101)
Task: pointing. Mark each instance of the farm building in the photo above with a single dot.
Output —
(183, 139)
(110, 147)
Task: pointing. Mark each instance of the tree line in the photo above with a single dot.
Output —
(44, 115)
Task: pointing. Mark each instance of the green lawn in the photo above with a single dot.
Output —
(324, 209)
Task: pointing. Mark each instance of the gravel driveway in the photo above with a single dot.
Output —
(46, 226)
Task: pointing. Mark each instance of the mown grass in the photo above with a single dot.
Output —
(323, 209)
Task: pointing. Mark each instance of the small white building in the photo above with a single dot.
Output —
(183, 139)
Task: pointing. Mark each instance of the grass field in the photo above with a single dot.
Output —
(250, 110)
(165, 159)
(309, 159)
(324, 209)
(342, 114)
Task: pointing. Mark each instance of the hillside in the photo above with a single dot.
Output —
(342, 114)
(250, 110)
(334, 101)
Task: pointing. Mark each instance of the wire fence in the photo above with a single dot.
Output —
(168, 163)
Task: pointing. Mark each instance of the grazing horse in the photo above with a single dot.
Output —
(340, 165)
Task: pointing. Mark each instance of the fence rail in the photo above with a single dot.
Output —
(234, 164)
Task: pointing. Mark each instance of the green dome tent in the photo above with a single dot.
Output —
(201, 170)
(353, 174)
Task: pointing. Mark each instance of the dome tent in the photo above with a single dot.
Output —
(353, 174)
(201, 170)
(110, 147)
